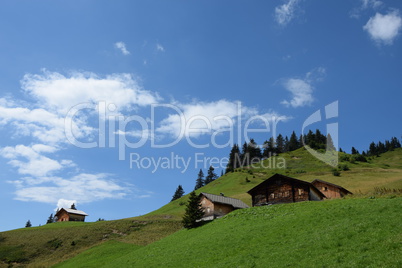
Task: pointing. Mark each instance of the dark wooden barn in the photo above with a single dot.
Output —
(282, 189)
(67, 214)
(330, 190)
(216, 206)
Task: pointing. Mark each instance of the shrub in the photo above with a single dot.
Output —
(336, 172)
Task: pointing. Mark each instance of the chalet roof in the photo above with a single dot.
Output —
(280, 176)
(332, 184)
(236, 203)
(277, 176)
(73, 211)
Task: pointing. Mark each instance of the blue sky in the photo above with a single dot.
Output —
(124, 77)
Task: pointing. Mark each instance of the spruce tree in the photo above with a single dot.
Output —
(28, 224)
(73, 206)
(293, 142)
(234, 159)
(330, 143)
(194, 212)
(269, 148)
(200, 180)
(280, 144)
(354, 151)
(178, 193)
(50, 219)
(211, 176)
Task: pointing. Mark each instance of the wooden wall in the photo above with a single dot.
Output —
(328, 190)
(280, 191)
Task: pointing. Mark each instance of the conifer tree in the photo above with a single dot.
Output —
(50, 219)
(194, 212)
(200, 180)
(269, 148)
(293, 142)
(211, 176)
(73, 206)
(280, 144)
(178, 193)
(354, 151)
(330, 143)
(28, 224)
(234, 159)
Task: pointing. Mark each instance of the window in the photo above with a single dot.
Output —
(325, 188)
(301, 191)
(286, 194)
(272, 196)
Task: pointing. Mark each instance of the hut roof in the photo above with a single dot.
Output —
(72, 211)
(332, 184)
(236, 203)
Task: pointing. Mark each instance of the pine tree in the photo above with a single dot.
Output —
(178, 193)
(280, 144)
(200, 180)
(50, 219)
(28, 224)
(254, 150)
(194, 212)
(293, 142)
(73, 206)
(269, 148)
(354, 151)
(234, 158)
(211, 176)
(330, 143)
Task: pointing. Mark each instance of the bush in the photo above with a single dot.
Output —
(336, 172)
(343, 167)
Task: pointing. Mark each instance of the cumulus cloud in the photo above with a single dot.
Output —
(61, 93)
(63, 203)
(285, 13)
(122, 47)
(383, 29)
(29, 160)
(82, 188)
(205, 118)
(302, 88)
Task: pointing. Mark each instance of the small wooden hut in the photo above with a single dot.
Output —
(330, 190)
(216, 206)
(68, 214)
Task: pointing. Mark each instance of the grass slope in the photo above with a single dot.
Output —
(337, 233)
(384, 171)
(47, 245)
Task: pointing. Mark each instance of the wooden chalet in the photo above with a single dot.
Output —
(330, 190)
(282, 189)
(216, 206)
(68, 214)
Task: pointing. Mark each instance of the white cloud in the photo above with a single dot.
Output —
(383, 29)
(122, 47)
(82, 188)
(365, 4)
(63, 203)
(302, 89)
(61, 93)
(285, 13)
(206, 118)
(302, 93)
(159, 47)
(202, 117)
(30, 161)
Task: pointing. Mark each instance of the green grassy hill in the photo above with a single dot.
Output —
(53, 243)
(338, 233)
